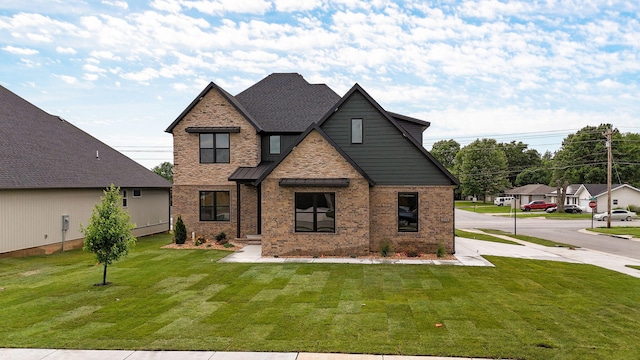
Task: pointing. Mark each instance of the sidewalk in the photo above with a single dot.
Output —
(50, 354)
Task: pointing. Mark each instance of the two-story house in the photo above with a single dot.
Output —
(313, 173)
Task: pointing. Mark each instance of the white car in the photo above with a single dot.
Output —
(503, 200)
(617, 214)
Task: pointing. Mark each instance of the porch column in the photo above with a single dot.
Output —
(238, 202)
(259, 207)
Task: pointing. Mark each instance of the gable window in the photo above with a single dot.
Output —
(274, 144)
(315, 212)
(214, 206)
(214, 148)
(356, 131)
(408, 212)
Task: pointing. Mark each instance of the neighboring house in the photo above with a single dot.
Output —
(527, 193)
(309, 171)
(50, 170)
(622, 195)
(570, 197)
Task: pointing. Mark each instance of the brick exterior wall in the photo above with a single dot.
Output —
(314, 157)
(191, 177)
(435, 219)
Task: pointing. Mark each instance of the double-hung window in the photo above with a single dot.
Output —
(214, 206)
(315, 212)
(214, 148)
(407, 212)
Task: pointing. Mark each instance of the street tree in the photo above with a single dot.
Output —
(165, 170)
(519, 158)
(108, 234)
(481, 168)
(445, 152)
(582, 158)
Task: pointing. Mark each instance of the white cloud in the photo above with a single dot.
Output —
(108, 55)
(19, 51)
(120, 4)
(219, 7)
(142, 76)
(90, 77)
(67, 78)
(296, 5)
(66, 50)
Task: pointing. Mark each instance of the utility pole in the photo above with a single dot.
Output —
(607, 134)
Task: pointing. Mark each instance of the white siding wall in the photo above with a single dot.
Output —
(32, 218)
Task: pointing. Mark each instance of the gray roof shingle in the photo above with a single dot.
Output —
(286, 102)
(39, 150)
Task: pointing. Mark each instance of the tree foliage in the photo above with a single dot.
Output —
(445, 152)
(108, 234)
(481, 168)
(165, 170)
(582, 159)
(519, 158)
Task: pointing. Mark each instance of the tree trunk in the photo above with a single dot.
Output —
(104, 275)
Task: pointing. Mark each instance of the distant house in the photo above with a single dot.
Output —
(50, 170)
(528, 193)
(309, 172)
(570, 197)
(622, 195)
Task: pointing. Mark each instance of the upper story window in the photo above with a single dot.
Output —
(214, 148)
(124, 198)
(274, 144)
(137, 193)
(356, 131)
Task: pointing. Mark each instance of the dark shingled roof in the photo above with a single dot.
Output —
(42, 151)
(286, 102)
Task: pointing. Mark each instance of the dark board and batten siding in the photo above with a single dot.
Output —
(386, 155)
(285, 142)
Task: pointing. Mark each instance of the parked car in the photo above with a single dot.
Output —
(503, 200)
(617, 214)
(568, 208)
(537, 205)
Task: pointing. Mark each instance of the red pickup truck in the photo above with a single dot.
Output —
(537, 205)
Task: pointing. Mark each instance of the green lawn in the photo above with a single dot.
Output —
(531, 239)
(619, 230)
(184, 299)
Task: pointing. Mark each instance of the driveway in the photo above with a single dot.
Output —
(565, 231)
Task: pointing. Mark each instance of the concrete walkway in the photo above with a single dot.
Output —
(50, 354)
(468, 253)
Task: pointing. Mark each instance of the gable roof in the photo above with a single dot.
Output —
(393, 120)
(230, 98)
(311, 128)
(42, 151)
(601, 189)
(531, 189)
(286, 102)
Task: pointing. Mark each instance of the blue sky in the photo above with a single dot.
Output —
(531, 71)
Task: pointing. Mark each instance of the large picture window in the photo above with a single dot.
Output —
(315, 212)
(214, 206)
(408, 212)
(214, 148)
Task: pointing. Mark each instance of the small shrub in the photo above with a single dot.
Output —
(634, 208)
(229, 245)
(221, 238)
(180, 231)
(200, 240)
(441, 252)
(385, 248)
(412, 252)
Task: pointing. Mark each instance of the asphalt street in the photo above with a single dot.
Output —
(565, 231)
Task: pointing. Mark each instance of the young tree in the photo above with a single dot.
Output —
(108, 234)
(165, 170)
